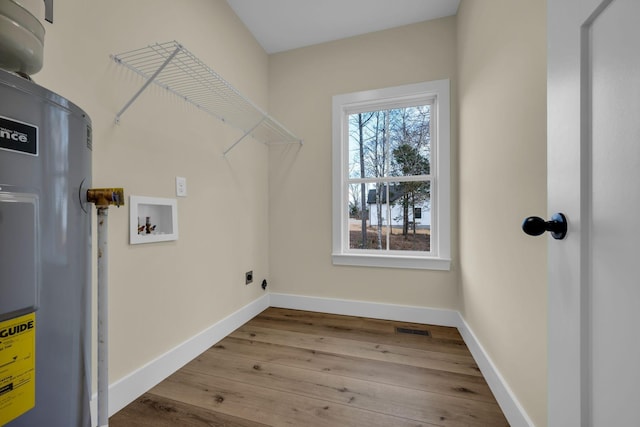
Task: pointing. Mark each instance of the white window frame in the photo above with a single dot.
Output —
(439, 258)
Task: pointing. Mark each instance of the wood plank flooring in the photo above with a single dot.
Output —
(298, 368)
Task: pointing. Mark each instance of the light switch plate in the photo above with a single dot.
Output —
(181, 186)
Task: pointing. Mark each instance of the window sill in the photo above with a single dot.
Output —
(392, 261)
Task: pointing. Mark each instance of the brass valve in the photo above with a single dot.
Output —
(103, 197)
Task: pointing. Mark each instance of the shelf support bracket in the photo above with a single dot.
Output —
(148, 82)
(243, 136)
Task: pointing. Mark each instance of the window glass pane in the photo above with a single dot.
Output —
(394, 142)
(368, 144)
(410, 136)
(397, 212)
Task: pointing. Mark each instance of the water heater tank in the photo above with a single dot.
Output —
(21, 37)
(45, 258)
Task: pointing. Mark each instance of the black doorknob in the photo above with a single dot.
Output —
(535, 226)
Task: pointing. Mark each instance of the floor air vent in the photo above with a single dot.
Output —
(409, 331)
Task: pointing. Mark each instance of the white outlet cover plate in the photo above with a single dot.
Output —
(181, 186)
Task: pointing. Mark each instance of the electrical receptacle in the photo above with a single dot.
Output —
(248, 277)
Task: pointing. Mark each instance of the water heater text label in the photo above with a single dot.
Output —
(18, 136)
(15, 330)
(17, 367)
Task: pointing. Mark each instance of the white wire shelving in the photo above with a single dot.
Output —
(172, 67)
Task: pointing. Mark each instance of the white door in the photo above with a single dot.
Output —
(594, 178)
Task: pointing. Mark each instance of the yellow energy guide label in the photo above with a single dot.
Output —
(17, 367)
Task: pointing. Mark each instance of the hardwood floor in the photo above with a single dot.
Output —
(297, 368)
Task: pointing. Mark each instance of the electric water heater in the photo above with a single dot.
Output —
(45, 264)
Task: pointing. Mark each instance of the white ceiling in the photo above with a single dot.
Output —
(281, 25)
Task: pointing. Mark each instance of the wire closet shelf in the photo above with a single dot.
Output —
(172, 67)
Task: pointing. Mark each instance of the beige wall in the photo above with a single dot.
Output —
(502, 98)
(302, 83)
(162, 294)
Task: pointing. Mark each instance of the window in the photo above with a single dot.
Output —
(391, 177)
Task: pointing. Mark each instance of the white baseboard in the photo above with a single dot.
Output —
(515, 413)
(401, 313)
(129, 388)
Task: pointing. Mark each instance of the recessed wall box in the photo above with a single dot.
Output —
(152, 219)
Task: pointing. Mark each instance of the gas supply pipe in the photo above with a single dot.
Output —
(103, 198)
